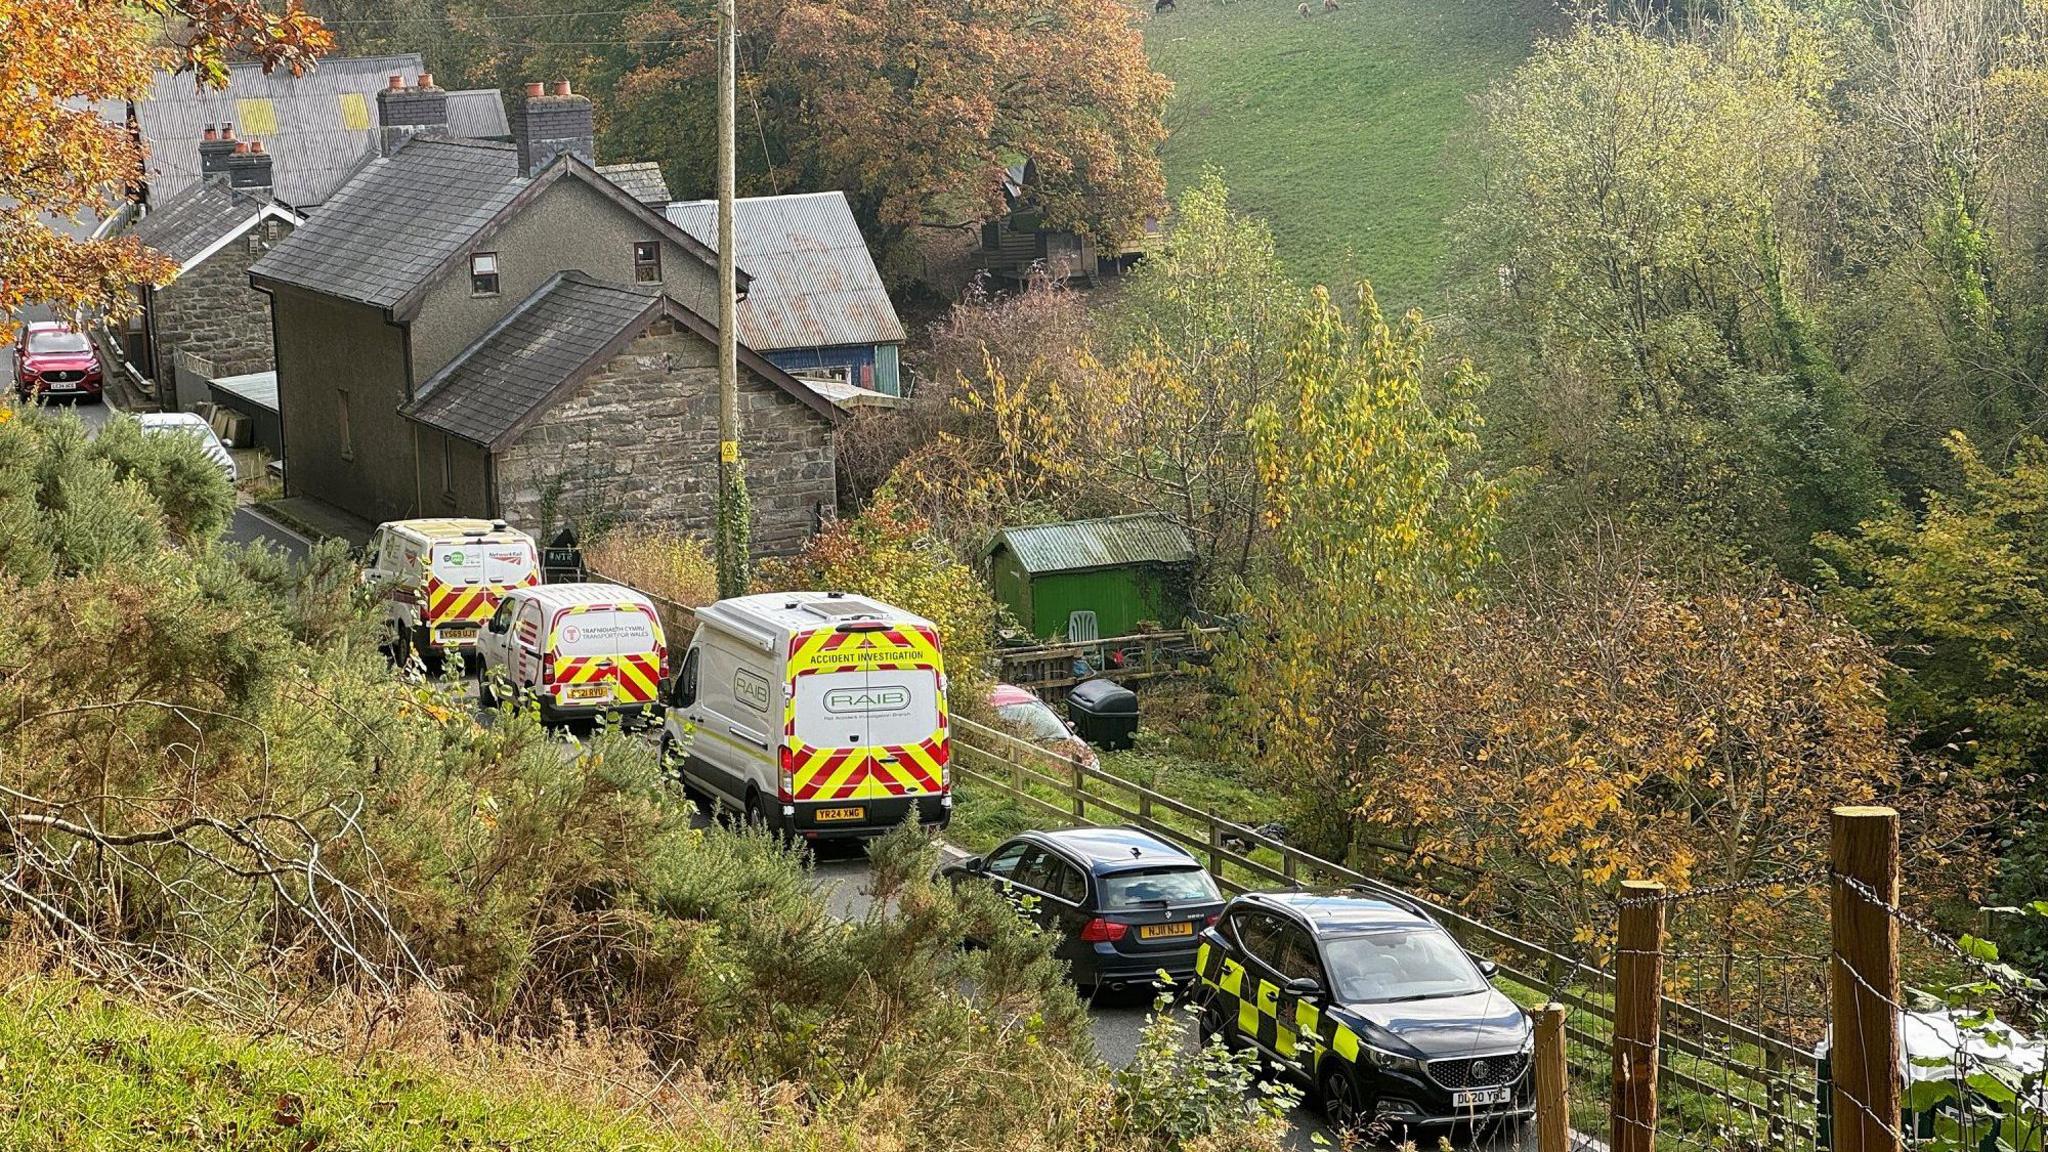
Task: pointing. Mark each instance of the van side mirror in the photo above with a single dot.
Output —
(1305, 987)
(1489, 969)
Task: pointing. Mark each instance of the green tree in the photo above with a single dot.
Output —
(1376, 514)
(1955, 594)
(1640, 256)
(1205, 325)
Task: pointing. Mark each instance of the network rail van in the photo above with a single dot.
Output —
(440, 579)
(818, 714)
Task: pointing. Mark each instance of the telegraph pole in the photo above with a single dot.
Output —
(734, 528)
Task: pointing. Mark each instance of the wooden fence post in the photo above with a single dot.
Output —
(1864, 980)
(1553, 1109)
(1638, 1016)
(1080, 791)
(1215, 848)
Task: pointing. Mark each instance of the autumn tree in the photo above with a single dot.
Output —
(1596, 721)
(1206, 321)
(914, 107)
(60, 160)
(1375, 514)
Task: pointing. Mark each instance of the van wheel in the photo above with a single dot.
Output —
(486, 696)
(759, 815)
(393, 644)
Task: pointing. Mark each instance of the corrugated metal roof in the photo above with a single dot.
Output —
(320, 126)
(814, 283)
(1082, 545)
(478, 114)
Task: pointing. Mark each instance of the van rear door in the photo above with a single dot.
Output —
(868, 714)
(605, 652)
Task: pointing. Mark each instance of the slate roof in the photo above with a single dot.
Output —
(642, 180)
(813, 285)
(1086, 545)
(396, 224)
(390, 227)
(498, 385)
(204, 214)
(319, 126)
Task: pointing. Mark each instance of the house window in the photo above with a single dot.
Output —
(348, 442)
(647, 261)
(483, 274)
(448, 466)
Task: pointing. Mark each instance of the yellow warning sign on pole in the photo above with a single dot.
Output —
(728, 450)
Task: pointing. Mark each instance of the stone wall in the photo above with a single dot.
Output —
(638, 442)
(212, 313)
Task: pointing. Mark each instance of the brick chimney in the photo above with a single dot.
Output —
(547, 124)
(248, 169)
(403, 113)
(214, 149)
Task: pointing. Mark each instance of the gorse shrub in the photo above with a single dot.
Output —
(660, 561)
(214, 784)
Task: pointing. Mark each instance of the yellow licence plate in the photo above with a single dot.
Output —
(841, 814)
(1165, 931)
(591, 692)
(456, 632)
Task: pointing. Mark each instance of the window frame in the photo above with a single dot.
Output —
(447, 466)
(477, 286)
(647, 269)
(344, 427)
(683, 692)
(989, 861)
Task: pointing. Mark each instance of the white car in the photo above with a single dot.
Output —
(190, 424)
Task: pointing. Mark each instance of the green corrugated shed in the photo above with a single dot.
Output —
(1122, 568)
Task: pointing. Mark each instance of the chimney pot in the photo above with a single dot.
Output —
(241, 147)
(227, 130)
(562, 88)
(535, 88)
(212, 133)
(256, 146)
(395, 82)
(426, 80)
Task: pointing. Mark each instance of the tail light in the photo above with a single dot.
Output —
(944, 755)
(547, 670)
(785, 789)
(1100, 931)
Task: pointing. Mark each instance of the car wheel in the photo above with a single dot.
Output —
(1215, 1024)
(1343, 1100)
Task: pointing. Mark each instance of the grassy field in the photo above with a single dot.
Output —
(1340, 129)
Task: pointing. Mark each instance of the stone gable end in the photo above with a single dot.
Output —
(212, 313)
(637, 442)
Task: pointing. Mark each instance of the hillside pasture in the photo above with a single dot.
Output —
(1342, 128)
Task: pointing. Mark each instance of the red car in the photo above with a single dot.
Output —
(51, 358)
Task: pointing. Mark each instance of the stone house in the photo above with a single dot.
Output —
(208, 317)
(479, 328)
(592, 402)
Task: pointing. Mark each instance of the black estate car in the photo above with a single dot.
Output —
(1371, 1005)
(1125, 903)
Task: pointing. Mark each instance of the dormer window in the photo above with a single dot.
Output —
(647, 262)
(483, 274)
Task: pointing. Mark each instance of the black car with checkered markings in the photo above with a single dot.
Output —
(1366, 1001)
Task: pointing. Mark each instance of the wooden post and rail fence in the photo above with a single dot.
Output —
(1650, 1040)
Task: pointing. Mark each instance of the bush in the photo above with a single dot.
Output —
(660, 561)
